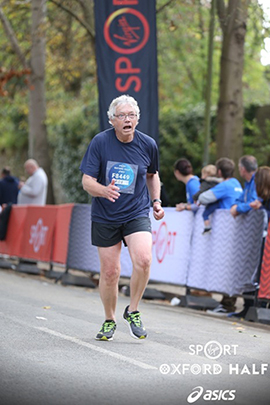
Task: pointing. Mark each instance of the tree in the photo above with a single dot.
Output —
(233, 22)
(71, 83)
(38, 142)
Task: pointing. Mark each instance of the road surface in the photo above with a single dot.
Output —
(48, 355)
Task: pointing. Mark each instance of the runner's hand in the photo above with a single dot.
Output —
(111, 191)
(158, 211)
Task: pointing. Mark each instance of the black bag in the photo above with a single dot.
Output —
(4, 217)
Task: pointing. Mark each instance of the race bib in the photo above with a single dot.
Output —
(125, 176)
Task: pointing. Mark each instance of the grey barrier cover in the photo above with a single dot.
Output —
(82, 255)
(226, 260)
(171, 248)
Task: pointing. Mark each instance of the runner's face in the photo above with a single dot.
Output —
(125, 128)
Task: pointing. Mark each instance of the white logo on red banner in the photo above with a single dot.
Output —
(38, 234)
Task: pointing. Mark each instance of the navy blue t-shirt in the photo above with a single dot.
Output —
(128, 163)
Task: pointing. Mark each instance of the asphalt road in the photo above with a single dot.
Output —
(48, 355)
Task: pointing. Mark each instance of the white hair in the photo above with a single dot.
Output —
(124, 99)
(32, 162)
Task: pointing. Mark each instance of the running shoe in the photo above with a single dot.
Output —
(218, 311)
(241, 314)
(136, 328)
(107, 330)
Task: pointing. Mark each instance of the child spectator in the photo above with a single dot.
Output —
(208, 180)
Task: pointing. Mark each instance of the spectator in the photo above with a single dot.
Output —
(226, 193)
(262, 181)
(8, 187)
(208, 180)
(183, 171)
(34, 190)
(247, 168)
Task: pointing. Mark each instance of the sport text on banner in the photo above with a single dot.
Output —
(127, 58)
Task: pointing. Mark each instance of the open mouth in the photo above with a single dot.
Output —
(127, 127)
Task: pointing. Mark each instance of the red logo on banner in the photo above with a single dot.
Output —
(163, 240)
(132, 33)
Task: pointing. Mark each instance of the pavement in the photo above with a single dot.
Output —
(48, 354)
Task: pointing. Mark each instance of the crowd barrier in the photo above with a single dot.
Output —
(38, 233)
(224, 261)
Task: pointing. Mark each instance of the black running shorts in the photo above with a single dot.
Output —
(110, 234)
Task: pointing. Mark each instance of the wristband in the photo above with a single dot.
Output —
(156, 200)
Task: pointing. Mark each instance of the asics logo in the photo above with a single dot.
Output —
(210, 395)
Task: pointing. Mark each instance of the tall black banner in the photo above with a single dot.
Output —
(127, 58)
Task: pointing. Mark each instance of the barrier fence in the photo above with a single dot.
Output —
(38, 233)
(264, 291)
(223, 261)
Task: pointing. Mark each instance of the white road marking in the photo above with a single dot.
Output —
(98, 349)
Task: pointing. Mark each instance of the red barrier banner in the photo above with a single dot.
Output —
(61, 235)
(264, 291)
(38, 233)
(12, 244)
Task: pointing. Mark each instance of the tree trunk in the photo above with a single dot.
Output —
(38, 142)
(230, 105)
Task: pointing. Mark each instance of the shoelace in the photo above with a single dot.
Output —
(107, 326)
(136, 318)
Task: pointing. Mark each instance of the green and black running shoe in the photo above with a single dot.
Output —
(136, 328)
(107, 330)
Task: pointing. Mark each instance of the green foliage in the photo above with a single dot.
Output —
(13, 125)
(257, 136)
(181, 135)
(71, 138)
(182, 54)
(70, 55)
(182, 40)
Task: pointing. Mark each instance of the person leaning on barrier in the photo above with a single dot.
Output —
(183, 172)
(226, 193)
(247, 168)
(120, 170)
(34, 190)
(262, 182)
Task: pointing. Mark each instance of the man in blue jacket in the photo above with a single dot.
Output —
(247, 168)
(226, 192)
